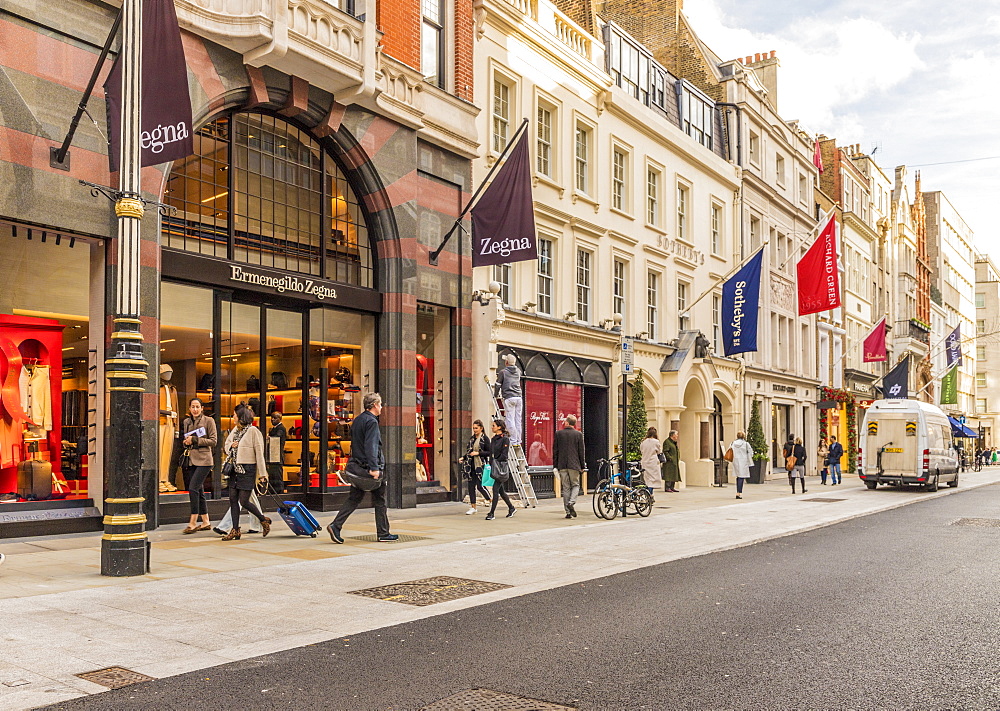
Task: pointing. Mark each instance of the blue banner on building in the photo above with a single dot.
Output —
(740, 299)
(954, 346)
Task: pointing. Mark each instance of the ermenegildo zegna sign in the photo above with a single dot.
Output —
(197, 269)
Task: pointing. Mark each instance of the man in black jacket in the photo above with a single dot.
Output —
(366, 459)
(570, 460)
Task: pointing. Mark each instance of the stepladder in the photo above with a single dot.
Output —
(516, 460)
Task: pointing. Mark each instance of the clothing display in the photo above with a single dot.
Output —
(168, 432)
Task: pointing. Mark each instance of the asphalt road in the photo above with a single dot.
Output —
(897, 610)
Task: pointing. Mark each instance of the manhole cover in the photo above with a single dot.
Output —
(430, 590)
(824, 501)
(978, 522)
(115, 677)
(486, 700)
(373, 538)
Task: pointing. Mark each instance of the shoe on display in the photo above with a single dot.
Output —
(335, 534)
(388, 538)
(470, 511)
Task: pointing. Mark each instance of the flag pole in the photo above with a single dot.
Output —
(723, 279)
(432, 258)
(945, 371)
(814, 230)
(57, 156)
(852, 348)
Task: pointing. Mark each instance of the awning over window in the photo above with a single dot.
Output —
(960, 430)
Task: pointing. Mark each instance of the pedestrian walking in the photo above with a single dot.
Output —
(499, 453)
(651, 459)
(822, 455)
(365, 472)
(833, 460)
(508, 388)
(798, 470)
(671, 467)
(742, 461)
(569, 459)
(200, 436)
(477, 453)
(245, 464)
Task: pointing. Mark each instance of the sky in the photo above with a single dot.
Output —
(915, 80)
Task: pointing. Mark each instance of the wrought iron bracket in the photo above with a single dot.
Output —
(116, 195)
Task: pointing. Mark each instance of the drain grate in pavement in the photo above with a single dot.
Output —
(115, 677)
(430, 590)
(978, 522)
(486, 700)
(373, 538)
(821, 500)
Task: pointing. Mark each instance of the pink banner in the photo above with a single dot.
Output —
(875, 344)
(539, 426)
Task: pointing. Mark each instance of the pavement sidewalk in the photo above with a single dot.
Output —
(186, 621)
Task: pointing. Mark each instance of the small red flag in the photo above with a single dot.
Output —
(875, 344)
(819, 280)
(817, 157)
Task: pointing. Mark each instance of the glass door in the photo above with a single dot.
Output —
(283, 392)
(238, 367)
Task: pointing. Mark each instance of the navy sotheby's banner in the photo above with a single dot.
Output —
(503, 221)
(167, 133)
(896, 384)
(740, 298)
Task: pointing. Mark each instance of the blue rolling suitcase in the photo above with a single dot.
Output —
(299, 519)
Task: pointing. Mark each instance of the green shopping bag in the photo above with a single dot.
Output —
(487, 475)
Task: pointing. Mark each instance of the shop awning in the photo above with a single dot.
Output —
(960, 430)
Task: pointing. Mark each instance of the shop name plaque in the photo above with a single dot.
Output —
(282, 282)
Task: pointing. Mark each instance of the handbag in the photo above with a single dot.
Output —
(501, 472)
(487, 474)
(661, 457)
(253, 384)
(279, 380)
(728, 456)
(355, 475)
(790, 462)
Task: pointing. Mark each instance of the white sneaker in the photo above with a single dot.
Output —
(2, 558)
(470, 511)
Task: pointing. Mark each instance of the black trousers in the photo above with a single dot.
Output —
(354, 499)
(499, 493)
(476, 484)
(196, 489)
(241, 498)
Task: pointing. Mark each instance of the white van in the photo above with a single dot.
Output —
(907, 442)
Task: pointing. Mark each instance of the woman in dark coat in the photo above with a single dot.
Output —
(476, 454)
(499, 452)
(671, 468)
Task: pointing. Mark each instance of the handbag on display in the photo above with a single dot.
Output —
(279, 380)
(253, 384)
(728, 456)
(207, 382)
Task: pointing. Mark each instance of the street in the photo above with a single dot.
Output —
(894, 610)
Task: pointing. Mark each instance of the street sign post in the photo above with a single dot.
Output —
(628, 355)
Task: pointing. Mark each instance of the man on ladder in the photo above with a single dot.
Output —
(510, 406)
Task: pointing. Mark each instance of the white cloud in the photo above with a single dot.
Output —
(826, 67)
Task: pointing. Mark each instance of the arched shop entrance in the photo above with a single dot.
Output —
(267, 299)
(554, 386)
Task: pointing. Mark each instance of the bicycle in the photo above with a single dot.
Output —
(615, 492)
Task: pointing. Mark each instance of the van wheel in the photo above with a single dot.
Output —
(954, 482)
(932, 485)
(871, 484)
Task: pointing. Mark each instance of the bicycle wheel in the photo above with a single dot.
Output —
(601, 500)
(643, 501)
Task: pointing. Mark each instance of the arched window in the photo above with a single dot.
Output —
(259, 190)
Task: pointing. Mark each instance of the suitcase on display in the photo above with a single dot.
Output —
(34, 478)
(299, 519)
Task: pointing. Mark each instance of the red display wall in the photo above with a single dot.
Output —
(25, 337)
(539, 423)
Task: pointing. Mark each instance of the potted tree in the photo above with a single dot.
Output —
(635, 424)
(755, 436)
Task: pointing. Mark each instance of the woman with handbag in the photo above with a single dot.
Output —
(244, 465)
(199, 438)
(499, 453)
(797, 460)
(651, 458)
(476, 454)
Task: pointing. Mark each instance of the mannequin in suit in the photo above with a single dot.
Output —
(168, 426)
